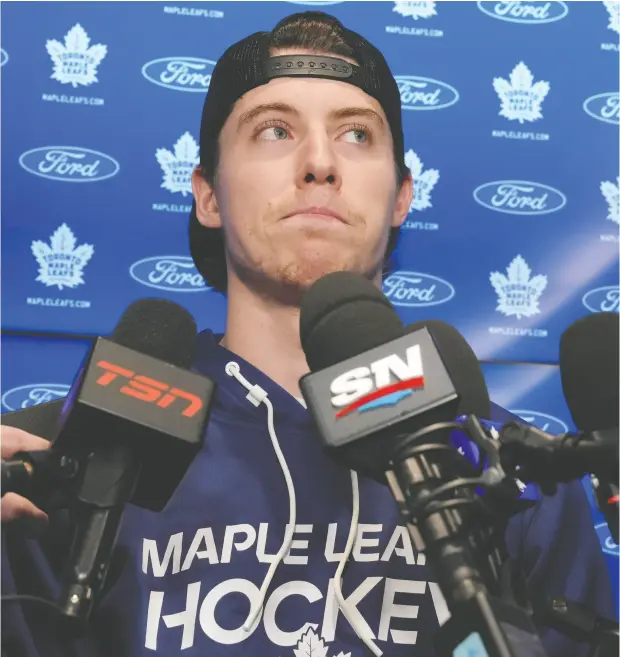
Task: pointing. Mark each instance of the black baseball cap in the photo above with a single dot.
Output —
(248, 64)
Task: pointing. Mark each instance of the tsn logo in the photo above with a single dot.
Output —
(147, 389)
(365, 388)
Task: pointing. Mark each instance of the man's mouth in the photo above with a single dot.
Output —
(318, 213)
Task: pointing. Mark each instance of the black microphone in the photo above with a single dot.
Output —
(133, 421)
(383, 400)
(34, 474)
(590, 372)
(43, 476)
(546, 459)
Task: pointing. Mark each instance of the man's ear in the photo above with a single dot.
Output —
(207, 209)
(403, 202)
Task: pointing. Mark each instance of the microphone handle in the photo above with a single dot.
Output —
(38, 473)
(16, 477)
(479, 623)
(109, 480)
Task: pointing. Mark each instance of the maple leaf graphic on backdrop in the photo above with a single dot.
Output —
(63, 246)
(75, 49)
(518, 279)
(178, 166)
(521, 97)
(611, 192)
(423, 181)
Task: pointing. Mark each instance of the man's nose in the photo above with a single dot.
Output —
(318, 162)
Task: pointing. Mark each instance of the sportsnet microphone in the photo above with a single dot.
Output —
(383, 402)
(130, 426)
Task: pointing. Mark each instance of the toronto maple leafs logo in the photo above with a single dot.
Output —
(611, 193)
(75, 62)
(518, 294)
(312, 645)
(415, 10)
(61, 262)
(613, 7)
(423, 182)
(521, 98)
(178, 166)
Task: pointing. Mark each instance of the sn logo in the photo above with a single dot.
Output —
(147, 389)
(360, 382)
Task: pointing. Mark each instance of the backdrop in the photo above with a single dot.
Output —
(511, 114)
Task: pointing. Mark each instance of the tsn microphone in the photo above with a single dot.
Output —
(379, 397)
(129, 428)
(589, 368)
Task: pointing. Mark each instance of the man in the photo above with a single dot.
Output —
(300, 175)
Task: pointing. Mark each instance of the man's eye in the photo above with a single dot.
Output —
(356, 135)
(274, 133)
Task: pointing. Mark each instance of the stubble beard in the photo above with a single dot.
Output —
(290, 267)
(296, 275)
(285, 278)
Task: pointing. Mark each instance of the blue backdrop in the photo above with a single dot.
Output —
(511, 114)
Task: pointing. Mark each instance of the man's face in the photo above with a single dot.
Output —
(306, 184)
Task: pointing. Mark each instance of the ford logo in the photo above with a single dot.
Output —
(525, 12)
(69, 164)
(603, 299)
(519, 197)
(33, 394)
(543, 421)
(607, 542)
(4, 56)
(415, 290)
(418, 93)
(170, 273)
(180, 73)
(604, 107)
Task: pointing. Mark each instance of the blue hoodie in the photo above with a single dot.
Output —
(183, 581)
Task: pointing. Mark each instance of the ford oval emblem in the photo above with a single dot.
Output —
(69, 164)
(603, 299)
(531, 12)
(171, 273)
(519, 197)
(419, 93)
(33, 394)
(416, 290)
(191, 74)
(604, 107)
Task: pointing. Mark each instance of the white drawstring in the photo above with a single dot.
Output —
(256, 395)
(361, 631)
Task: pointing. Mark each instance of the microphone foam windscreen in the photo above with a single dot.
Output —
(158, 328)
(590, 372)
(343, 315)
(462, 365)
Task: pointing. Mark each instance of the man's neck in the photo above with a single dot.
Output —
(266, 334)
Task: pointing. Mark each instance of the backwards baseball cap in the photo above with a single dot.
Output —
(249, 63)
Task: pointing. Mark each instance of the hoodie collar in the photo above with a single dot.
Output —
(212, 358)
